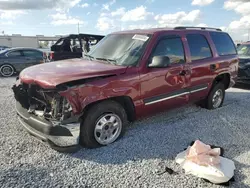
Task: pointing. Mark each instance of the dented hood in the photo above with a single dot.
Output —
(49, 75)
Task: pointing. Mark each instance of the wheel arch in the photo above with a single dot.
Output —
(125, 101)
(223, 78)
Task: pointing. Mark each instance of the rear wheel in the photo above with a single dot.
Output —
(216, 97)
(7, 70)
(103, 124)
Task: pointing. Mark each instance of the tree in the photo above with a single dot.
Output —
(46, 44)
(43, 44)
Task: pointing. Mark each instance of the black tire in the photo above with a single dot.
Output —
(208, 103)
(4, 73)
(89, 121)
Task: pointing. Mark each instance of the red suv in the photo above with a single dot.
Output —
(128, 75)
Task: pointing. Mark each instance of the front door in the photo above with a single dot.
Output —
(166, 87)
(16, 59)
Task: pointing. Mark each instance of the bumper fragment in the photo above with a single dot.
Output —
(243, 80)
(59, 136)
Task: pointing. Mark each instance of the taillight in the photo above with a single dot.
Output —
(51, 55)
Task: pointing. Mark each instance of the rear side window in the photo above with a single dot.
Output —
(32, 53)
(171, 47)
(199, 47)
(223, 43)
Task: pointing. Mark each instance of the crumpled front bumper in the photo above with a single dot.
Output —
(60, 137)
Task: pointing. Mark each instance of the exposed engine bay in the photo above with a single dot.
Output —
(47, 104)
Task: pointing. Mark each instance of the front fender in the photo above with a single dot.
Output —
(80, 97)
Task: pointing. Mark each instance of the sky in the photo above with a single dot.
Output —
(61, 17)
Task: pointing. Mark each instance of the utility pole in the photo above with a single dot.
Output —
(78, 28)
(249, 34)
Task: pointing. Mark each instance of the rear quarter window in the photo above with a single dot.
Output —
(223, 43)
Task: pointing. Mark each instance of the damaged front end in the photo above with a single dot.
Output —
(46, 114)
(244, 71)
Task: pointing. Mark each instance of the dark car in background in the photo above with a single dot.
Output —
(73, 46)
(244, 65)
(14, 60)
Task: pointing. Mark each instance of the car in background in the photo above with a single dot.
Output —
(3, 47)
(14, 60)
(244, 65)
(73, 46)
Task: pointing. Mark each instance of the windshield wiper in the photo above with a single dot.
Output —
(89, 56)
(111, 61)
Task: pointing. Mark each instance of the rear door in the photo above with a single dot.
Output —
(201, 58)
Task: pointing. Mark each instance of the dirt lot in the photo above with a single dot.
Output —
(148, 145)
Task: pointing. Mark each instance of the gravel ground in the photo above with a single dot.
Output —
(148, 145)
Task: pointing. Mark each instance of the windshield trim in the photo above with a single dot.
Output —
(144, 50)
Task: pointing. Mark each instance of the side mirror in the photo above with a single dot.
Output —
(159, 62)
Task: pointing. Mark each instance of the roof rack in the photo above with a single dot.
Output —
(202, 28)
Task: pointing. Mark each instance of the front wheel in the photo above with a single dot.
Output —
(216, 97)
(103, 124)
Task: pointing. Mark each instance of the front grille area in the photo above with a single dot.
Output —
(21, 95)
(28, 95)
(44, 103)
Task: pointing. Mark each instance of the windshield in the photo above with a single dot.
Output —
(244, 50)
(120, 49)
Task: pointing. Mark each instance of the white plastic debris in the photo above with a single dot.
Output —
(202, 161)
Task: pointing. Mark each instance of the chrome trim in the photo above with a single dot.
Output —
(174, 96)
(34, 119)
(31, 131)
(198, 90)
(167, 98)
(60, 141)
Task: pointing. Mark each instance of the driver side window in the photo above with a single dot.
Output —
(172, 48)
(14, 54)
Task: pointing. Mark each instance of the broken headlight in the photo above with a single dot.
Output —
(60, 108)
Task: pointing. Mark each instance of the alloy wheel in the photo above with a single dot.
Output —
(107, 129)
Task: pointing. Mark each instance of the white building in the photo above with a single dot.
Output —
(17, 40)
